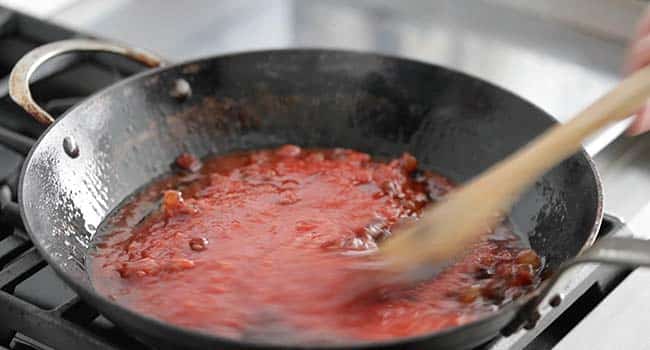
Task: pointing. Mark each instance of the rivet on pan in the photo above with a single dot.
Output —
(181, 89)
(555, 300)
(70, 147)
(532, 320)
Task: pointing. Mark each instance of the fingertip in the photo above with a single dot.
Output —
(637, 54)
(643, 26)
(633, 131)
(641, 123)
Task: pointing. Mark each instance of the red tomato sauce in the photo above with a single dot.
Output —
(258, 245)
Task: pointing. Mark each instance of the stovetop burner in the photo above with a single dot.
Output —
(37, 309)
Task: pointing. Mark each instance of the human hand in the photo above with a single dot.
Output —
(638, 56)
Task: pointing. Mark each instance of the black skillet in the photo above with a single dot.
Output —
(111, 144)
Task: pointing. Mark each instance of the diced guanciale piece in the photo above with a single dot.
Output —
(523, 275)
(505, 271)
(139, 268)
(288, 151)
(288, 197)
(408, 162)
(198, 244)
(470, 295)
(494, 290)
(178, 264)
(189, 162)
(172, 203)
(528, 257)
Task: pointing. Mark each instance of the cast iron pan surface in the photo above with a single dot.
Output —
(131, 132)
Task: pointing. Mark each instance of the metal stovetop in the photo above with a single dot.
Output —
(560, 56)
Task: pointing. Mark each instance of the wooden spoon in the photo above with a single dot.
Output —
(448, 228)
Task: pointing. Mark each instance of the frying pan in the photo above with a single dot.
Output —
(116, 141)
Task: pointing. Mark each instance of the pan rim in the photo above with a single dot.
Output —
(103, 301)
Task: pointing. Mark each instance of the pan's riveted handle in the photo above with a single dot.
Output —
(627, 251)
(23, 70)
(622, 251)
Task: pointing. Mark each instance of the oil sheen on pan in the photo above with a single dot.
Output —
(258, 244)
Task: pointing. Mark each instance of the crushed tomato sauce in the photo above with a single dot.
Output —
(257, 245)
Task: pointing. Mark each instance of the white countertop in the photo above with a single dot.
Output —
(615, 324)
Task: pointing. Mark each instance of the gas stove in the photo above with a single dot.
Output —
(38, 311)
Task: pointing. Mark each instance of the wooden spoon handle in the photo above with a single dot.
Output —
(446, 229)
(563, 140)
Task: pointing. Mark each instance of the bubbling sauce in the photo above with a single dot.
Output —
(257, 246)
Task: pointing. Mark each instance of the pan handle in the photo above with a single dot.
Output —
(626, 251)
(23, 70)
(621, 251)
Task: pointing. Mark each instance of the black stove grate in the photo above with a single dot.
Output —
(37, 309)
